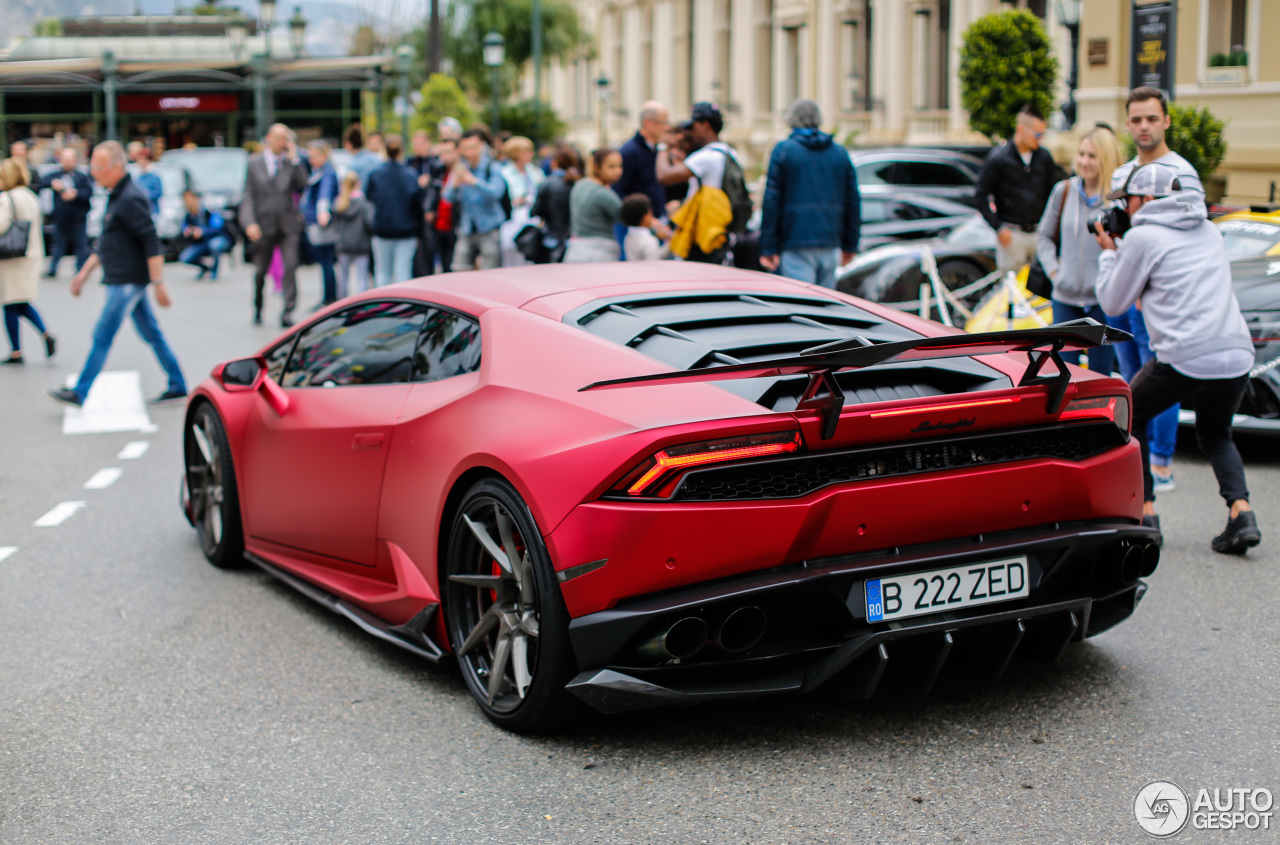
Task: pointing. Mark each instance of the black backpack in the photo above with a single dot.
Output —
(505, 199)
(734, 185)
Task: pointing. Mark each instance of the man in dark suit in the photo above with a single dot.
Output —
(271, 217)
(71, 192)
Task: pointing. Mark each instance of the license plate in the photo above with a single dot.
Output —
(946, 589)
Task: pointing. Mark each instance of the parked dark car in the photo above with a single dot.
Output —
(936, 173)
(892, 273)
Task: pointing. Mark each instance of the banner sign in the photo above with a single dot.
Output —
(181, 103)
(1152, 56)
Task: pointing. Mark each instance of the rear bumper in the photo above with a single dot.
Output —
(817, 631)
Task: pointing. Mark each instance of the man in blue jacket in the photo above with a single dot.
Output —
(71, 192)
(811, 206)
(476, 189)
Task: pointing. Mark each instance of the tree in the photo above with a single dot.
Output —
(540, 125)
(1005, 63)
(442, 97)
(1196, 135)
(47, 28)
(468, 21)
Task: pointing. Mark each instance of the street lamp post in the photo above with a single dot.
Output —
(602, 91)
(537, 59)
(260, 64)
(404, 61)
(494, 54)
(297, 32)
(237, 32)
(109, 92)
(1068, 14)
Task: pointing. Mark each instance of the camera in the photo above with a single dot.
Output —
(1115, 221)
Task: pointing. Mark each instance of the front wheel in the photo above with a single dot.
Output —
(211, 480)
(506, 618)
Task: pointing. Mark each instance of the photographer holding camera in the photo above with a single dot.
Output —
(1173, 262)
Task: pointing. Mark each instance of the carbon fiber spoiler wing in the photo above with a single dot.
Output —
(820, 363)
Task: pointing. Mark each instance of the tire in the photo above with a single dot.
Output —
(508, 612)
(211, 482)
(957, 274)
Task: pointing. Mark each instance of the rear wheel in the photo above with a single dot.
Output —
(211, 482)
(506, 618)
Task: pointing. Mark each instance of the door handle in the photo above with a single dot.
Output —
(367, 441)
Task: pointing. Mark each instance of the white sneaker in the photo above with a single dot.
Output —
(1163, 484)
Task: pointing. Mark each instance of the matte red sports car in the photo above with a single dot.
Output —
(642, 484)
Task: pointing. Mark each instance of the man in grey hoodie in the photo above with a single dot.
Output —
(1174, 262)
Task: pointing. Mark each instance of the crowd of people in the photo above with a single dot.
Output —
(1166, 281)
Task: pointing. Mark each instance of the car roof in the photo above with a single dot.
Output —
(915, 154)
(555, 289)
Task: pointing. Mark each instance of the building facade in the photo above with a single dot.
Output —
(1245, 91)
(175, 81)
(883, 71)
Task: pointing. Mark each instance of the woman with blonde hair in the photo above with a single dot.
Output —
(1065, 243)
(20, 277)
(523, 178)
(353, 227)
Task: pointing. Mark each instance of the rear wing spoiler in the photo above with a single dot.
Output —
(821, 362)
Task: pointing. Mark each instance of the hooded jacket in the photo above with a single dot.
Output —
(811, 196)
(1175, 261)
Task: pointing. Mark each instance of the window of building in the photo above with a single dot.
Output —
(682, 11)
(1227, 29)
(922, 50)
(764, 56)
(721, 84)
(617, 65)
(371, 343)
(646, 53)
(792, 63)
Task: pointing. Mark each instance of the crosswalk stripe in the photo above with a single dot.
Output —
(104, 478)
(7, 551)
(133, 451)
(114, 403)
(61, 513)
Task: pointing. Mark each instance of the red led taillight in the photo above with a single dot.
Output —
(1114, 408)
(949, 406)
(664, 468)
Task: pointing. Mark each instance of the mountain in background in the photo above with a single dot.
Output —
(330, 23)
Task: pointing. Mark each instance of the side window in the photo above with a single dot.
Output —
(911, 211)
(932, 173)
(372, 343)
(449, 346)
(277, 357)
(875, 173)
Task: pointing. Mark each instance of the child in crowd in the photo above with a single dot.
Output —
(641, 244)
(352, 217)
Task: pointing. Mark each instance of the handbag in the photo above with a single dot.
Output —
(529, 244)
(14, 241)
(1038, 281)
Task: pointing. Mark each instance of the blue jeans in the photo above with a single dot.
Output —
(393, 260)
(73, 238)
(1132, 355)
(14, 310)
(197, 252)
(815, 265)
(1102, 359)
(325, 256)
(121, 300)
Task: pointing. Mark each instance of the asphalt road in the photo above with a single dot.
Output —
(148, 697)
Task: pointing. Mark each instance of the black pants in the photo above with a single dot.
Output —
(262, 252)
(424, 259)
(1158, 386)
(444, 243)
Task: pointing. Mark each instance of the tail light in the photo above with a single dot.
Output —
(1264, 333)
(657, 475)
(1114, 408)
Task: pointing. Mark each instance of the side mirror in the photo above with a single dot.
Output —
(242, 375)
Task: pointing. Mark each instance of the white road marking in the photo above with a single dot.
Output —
(114, 403)
(7, 551)
(61, 513)
(104, 478)
(133, 451)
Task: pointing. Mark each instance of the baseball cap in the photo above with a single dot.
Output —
(1149, 180)
(708, 112)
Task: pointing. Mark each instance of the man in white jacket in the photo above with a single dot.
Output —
(1174, 262)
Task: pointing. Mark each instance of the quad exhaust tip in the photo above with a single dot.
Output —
(1150, 559)
(1131, 565)
(683, 639)
(741, 629)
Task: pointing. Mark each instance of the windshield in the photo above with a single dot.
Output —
(172, 179)
(213, 169)
(973, 233)
(1247, 238)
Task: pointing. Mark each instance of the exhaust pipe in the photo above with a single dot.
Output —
(1131, 565)
(741, 629)
(1150, 559)
(683, 639)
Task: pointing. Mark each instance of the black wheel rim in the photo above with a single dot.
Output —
(204, 479)
(493, 601)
